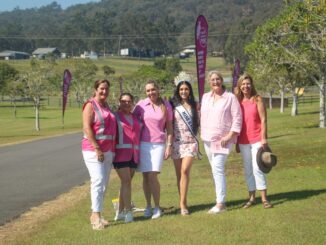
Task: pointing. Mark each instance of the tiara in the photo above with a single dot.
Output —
(183, 76)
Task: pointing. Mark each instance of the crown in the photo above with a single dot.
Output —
(183, 76)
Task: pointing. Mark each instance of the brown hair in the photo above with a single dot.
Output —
(160, 100)
(237, 90)
(97, 83)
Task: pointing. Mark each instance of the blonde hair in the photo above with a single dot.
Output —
(211, 73)
(237, 91)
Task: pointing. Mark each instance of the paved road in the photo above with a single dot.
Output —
(38, 171)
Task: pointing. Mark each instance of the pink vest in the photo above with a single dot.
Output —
(104, 128)
(251, 126)
(128, 139)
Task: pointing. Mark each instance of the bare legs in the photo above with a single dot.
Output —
(182, 170)
(151, 188)
(125, 175)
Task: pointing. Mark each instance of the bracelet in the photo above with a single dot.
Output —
(169, 144)
(97, 147)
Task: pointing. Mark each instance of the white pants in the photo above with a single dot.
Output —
(99, 173)
(256, 179)
(217, 162)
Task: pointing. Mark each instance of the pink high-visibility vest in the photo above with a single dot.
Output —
(128, 138)
(104, 128)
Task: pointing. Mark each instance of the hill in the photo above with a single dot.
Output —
(106, 26)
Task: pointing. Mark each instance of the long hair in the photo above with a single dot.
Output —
(176, 100)
(238, 93)
(159, 100)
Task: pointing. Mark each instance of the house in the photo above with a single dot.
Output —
(13, 55)
(40, 53)
(89, 55)
(144, 53)
(189, 50)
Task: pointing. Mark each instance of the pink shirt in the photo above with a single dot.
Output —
(153, 121)
(220, 117)
(251, 126)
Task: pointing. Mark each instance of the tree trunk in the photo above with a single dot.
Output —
(270, 100)
(322, 105)
(282, 100)
(37, 114)
(294, 111)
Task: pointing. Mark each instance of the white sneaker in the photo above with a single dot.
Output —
(119, 216)
(129, 217)
(157, 213)
(216, 210)
(148, 212)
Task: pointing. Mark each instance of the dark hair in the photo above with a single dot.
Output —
(176, 100)
(127, 94)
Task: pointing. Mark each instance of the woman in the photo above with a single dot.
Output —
(155, 114)
(253, 136)
(98, 147)
(127, 153)
(185, 127)
(220, 125)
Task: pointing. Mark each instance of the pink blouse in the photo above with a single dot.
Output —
(220, 117)
(153, 120)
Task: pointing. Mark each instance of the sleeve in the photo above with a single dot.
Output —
(236, 115)
(137, 112)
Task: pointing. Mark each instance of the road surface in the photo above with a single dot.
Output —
(38, 171)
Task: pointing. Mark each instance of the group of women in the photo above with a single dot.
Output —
(140, 137)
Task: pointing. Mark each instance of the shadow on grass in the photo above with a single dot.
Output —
(279, 136)
(275, 199)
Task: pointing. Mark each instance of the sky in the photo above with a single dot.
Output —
(8, 5)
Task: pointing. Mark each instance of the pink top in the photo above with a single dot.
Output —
(153, 120)
(105, 139)
(251, 125)
(220, 117)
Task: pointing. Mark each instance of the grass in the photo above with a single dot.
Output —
(297, 188)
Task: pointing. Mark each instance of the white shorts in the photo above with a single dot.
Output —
(151, 157)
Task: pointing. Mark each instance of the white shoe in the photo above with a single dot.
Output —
(216, 210)
(148, 212)
(129, 217)
(157, 213)
(119, 216)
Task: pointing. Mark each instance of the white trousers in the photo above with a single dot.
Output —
(99, 173)
(217, 162)
(256, 179)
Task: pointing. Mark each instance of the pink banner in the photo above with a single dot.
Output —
(201, 36)
(65, 89)
(236, 73)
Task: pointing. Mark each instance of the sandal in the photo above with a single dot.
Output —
(104, 221)
(249, 204)
(267, 204)
(184, 212)
(97, 225)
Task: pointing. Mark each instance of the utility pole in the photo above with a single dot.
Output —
(120, 37)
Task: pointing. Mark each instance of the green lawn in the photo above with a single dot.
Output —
(297, 188)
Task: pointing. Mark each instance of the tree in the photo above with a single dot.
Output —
(108, 70)
(36, 84)
(83, 73)
(7, 74)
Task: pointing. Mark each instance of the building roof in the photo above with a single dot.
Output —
(41, 51)
(8, 53)
(190, 47)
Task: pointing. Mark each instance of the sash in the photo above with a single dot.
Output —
(188, 121)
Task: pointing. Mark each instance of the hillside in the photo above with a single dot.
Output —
(165, 26)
